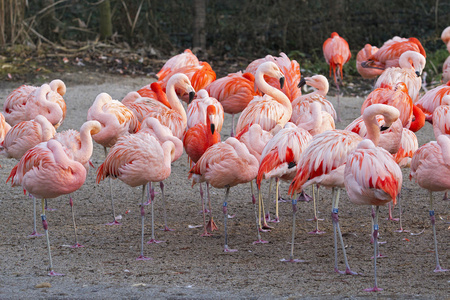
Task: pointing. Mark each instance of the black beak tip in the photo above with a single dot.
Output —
(191, 96)
(301, 83)
(291, 165)
(418, 73)
(213, 128)
(383, 128)
(282, 79)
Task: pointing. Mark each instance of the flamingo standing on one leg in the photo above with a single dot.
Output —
(430, 168)
(116, 120)
(196, 141)
(224, 165)
(337, 53)
(45, 171)
(136, 160)
(372, 177)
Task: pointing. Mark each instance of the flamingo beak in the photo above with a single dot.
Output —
(291, 165)
(301, 83)
(418, 73)
(213, 128)
(282, 82)
(191, 96)
(383, 128)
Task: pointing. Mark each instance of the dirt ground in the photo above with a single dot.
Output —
(188, 266)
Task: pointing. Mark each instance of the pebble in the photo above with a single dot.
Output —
(43, 285)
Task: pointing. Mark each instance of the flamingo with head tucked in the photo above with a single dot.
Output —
(187, 58)
(432, 99)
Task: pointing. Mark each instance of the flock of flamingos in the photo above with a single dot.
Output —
(280, 134)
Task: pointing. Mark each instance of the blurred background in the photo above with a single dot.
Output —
(137, 36)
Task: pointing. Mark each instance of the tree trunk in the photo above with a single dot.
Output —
(199, 38)
(105, 19)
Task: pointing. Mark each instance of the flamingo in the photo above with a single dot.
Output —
(116, 120)
(46, 171)
(411, 65)
(271, 111)
(320, 84)
(4, 127)
(445, 37)
(372, 177)
(196, 111)
(411, 116)
(196, 141)
(234, 92)
(224, 165)
(432, 99)
(312, 118)
(136, 160)
(290, 70)
(78, 144)
(430, 170)
(136, 100)
(337, 53)
(389, 54)
(323, 161)
(187, 58)
(363, 55)
(26, 102)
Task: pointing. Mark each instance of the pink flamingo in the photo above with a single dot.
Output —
(430, 170)
(4, 127)
(337, 53)
(323, 161)
(78, 144)
(26, 102)
(445, 37)
(290, 70)
(411, 116)
(446, 70)
(271, 111)
(432, 99)
(363, 55)
(196, 141)
(45, 171)
(136, 100)
(224, 165)
(234, 92)
(196, 111)
(187, 58)
(372, 177)
(312, 118)
(411, 64)
(116, 120)
(136, 160)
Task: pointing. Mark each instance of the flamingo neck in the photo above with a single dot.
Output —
(373, 131)
(316, 118)
(175, 103)
(169, 153)
(444, 143)
(419, 119)
(275, 93)
(85, 152)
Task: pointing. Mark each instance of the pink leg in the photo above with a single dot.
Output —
(76, 245)
(34, 233)
(225, 214)
(375, 245)
(141, 256)
(291, 256)
(166, 228)
(153, 240)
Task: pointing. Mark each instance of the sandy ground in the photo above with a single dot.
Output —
(188, 266)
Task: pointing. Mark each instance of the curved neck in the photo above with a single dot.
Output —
(85, 152)
(169, 153)
(275, 93)
(316, 118)
(175, 103)
(373, 131)
(419, 119)
(444, 143)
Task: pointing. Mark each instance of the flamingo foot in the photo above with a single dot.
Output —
(314, 219)
(281, 199)
(292, 260)
(260, 242)
(142, 257)
(316, 231)
(34, 234)
(77, 245)
(374, 289)
(211, 226)
(154, 241)
(167, 229)
(379, 255)
(53, 273)
(115, 222)
(402, 230)
(206, 211)
(206, 234)
(439, 269)
(50, 209)
(263, 230)
(276, 220)
(304, 197)
(265, 226)
(390, 218)
(346, 272)
(226, 249)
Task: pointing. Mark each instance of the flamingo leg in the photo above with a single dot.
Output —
(400, 215)
(316, 231)
(258, 224)
(232, 126)
(433, 223)
(47, 208)
(291, 255)
(264, 226)
(338, 96)
(390, 218)
(211, 224)
(337, 229)
(45, 225)
(141, 256)
(166, 228)
(114, 222)
(267, 215)
(34, 233)
(77, 245)
(153, 240)
(375, 246)
(205, 231)
(225, 214)
(277, 217)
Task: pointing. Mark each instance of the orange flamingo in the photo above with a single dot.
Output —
(116, 120)
(411, 67)
(323, 161)
(372, 177)
(187, 58)
(432, 99)
(271, 111)
(136, 160)
(337, 53)
(26, 102)
(290, 70)
(411, 116)
(234, 92)
(196, 141)
(430, 170)
(389, 54)
(363, 55)
(224, 165)
(197, 111)
(46, 171)
(136, 100)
